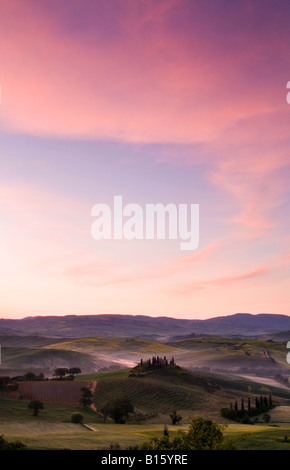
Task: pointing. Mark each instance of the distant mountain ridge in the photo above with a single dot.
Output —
(73, 326)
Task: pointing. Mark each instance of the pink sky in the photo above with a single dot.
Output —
(176, 101)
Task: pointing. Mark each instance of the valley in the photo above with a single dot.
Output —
(208, 373)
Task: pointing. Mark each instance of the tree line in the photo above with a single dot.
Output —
(252, 408)
(67, 373)
(148, 365)
(59, 373)
(157, 361)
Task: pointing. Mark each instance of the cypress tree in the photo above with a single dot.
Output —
(242, 405)
(236, 405)
(270, 400)
(165, 431)
(249, 404)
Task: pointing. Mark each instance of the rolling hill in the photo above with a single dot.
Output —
(117, 348)
(247, 356)
(172, 387)
(214, 353)
(161, 328)
(19, 360)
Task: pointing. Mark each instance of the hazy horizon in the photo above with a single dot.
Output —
(210, 317)
(175, 101)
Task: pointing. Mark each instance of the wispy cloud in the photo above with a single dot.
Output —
(195, 97)
(171, 86)
(101, 273)
(222, 282)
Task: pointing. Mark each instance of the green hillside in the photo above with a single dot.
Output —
(232, 354)
(107, 345)
(172, 387)
(155, 395)
(227, 354)
(263, 357)
(16, 341)
(20, 359)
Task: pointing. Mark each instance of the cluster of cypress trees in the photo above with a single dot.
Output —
(262, 404)
(156, 361)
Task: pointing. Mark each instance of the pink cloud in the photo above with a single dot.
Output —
(110, 272)
(223, 281)
(148, 84)
(37, 210)
(136, 78)
(151, 86)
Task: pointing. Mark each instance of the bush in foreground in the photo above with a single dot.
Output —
(77, 418)
(11, 445)
(202, 434)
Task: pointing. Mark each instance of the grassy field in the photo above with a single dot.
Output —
(15, 411)
(190, 392)
(52, 429)
(77, 437)
(259, 437)
(109, 344)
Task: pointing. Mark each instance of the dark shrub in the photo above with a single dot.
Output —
(77, 418)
